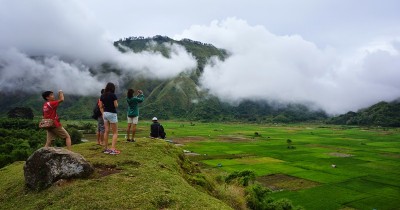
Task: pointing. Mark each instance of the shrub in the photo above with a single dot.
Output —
(283, 204)
(162, 202)
(18, 124)
(242, 177)
(20, 154)
(85, 127)
(5, 160)
(76, 136)
(21, 112)
(257, 197)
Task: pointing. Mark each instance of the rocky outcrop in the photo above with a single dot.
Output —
(48, 165)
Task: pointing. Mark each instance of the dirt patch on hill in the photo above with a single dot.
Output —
(278, 182)
(105, 170)
(328, 147)
(337, 154)
(232, 138)
(187, 139)
(392, 155)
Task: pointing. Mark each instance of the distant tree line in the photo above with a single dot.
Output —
(385, 114)
(160, 38)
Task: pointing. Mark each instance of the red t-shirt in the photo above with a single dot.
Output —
(50, 112)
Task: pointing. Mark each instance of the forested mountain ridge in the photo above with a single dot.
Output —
(385, 114)
(178, 97)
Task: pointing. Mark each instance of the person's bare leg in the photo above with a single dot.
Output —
(68, 142)
(48, 143)
(128, 131)
(48, 140)
(102, 139)
(98, 134)
(114, 127)
(133, 131)
(106, 129)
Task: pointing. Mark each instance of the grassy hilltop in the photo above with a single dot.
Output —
(148, 174)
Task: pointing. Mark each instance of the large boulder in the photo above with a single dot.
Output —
(48, 165)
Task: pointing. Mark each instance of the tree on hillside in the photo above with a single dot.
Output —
(21, 112)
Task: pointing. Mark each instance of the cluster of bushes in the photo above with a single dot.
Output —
(257, 196)
(84, 127)
(238, 189)
(19, 138)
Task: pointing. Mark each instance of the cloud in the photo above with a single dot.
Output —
(21, 73)
(289, 68)
(154, 64)
(67, 32)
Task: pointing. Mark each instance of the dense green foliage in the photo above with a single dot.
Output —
(21, 112)
(19, 138)
(242, 177)
(259, 198)
(381, 114)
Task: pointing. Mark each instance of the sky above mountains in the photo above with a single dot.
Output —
(339, 55)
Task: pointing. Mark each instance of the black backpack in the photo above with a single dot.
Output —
(96, 112)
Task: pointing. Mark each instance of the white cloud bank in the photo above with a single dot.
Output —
(290, 69)
(263, 65)
(66, 32)
(21, 73)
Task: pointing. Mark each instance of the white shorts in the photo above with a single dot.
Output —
(110, 117)
(133, 120)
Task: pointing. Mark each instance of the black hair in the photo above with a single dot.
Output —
(102, 91)
(130, 93)
(46, 94)
(110, 88)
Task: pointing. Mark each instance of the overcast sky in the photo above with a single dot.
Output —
(340, 55)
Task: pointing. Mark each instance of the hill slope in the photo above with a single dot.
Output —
(385, 114)
(149, 174)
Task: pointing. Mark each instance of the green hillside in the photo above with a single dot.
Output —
(385, 114)
(150, 174)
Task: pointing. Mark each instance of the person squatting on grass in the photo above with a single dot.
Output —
(108, 101)
(133, 112)
(156, 129)
(50, 112)
(100, 123)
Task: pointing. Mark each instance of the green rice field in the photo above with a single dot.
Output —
(325, 167)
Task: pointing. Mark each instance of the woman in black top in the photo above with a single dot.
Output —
(109, 103)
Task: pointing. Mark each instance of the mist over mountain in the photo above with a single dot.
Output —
(177, 97)
(181, 96)
(64, 45)
(292, 69)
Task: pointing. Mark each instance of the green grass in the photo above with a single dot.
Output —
(368, 169)
(150, 177)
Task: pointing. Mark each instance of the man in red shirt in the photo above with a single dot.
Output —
(50, 112)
